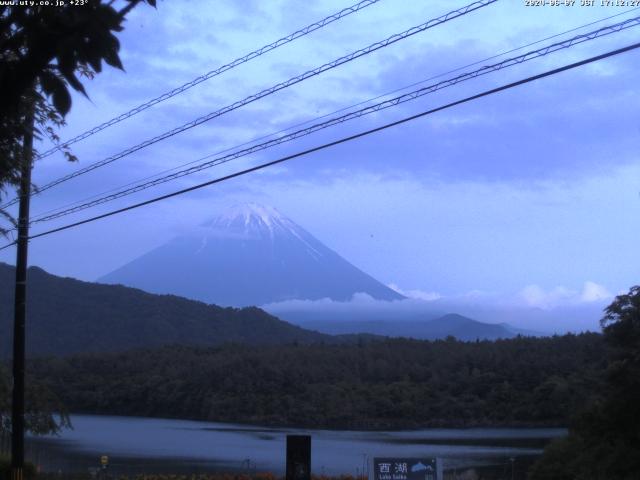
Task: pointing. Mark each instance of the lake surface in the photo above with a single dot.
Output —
(151, 445)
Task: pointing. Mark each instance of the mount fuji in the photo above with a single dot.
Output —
(250, 255)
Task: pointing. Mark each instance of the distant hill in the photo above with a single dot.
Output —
(68, 316)
(463, 328)
(250, 255)
(452, 324)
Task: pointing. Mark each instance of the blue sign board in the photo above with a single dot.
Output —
(406, 469)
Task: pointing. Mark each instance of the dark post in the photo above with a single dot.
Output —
(17, 408)
(298, 457)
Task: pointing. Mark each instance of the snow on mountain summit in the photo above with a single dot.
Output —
(249, 255)
(251, 220)
(250, 211)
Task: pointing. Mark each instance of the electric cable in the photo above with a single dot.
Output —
(224, 68)
(324, 146)
(350, 116)
(291, 127)
(280, 86)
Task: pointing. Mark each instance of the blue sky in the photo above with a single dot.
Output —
(530, 196)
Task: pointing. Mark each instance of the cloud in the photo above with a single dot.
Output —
(416, 294)
(556, 311)
(359, 303)
(535, 296)
(592, 292)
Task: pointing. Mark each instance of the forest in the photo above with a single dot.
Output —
(394, 383)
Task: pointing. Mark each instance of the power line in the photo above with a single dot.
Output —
(280, 86)
(470, 65)
(483, 61)
(291, 127)
(352, 115)
(238, 61)
(342, 140)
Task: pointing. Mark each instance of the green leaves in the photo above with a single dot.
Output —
(50, 48)
(44, 414)
(603, 441)
(111, 56)
(55, 87)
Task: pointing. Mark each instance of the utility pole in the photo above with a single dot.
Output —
(17, 406)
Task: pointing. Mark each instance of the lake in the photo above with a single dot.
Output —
(136, 445)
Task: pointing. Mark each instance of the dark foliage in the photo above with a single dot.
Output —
(389, 384)
(604, 441)
(43, 50)
(43, 413)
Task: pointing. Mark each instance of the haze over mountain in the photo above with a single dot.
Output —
(517, 318)
(250, 255)
(452, 324)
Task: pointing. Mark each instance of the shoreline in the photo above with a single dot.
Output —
(442, 425)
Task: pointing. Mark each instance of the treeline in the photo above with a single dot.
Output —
(397, 383)
(604, 438)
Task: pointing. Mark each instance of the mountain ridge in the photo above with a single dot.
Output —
(250, 255)
(442, 326)
(68, 316)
